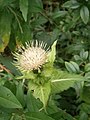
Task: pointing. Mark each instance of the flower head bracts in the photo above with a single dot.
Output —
(31, 57)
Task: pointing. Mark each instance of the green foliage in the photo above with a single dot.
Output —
(86, 94)
(62, 81)
(72, 67)
(37, 95)
(84, 13)
(62, 115)
(52, 54)
(33, 104)
(41, 91)
(20, 94)
(6, 96)
(37, 116)
(24, 8)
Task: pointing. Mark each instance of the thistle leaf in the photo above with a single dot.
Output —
(61, 81)
(41, 91)
(52, 54)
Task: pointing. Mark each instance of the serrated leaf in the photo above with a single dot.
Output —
(24, 8)
(52, 53)
(84, 13)
(41, 91)
(62, 80)
(60, 85)
(37, 116)
(8, 99)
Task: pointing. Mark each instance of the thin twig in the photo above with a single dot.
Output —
(4, 68)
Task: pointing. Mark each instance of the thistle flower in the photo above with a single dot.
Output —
(31, 57)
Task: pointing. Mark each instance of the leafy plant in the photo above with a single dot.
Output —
(63, 78)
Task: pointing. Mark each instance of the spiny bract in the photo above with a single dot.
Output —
(31, 57)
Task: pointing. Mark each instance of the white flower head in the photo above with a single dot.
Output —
(31, 57)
